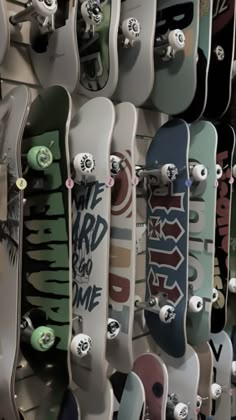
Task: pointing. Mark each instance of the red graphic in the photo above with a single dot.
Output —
(164, 198)
(169, 259)
(122, 194)
(119, 288)
(157, 283)
(158, 229)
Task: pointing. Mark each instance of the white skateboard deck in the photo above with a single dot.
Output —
(91, 132)
(59, 64)
(136, 64)
(123, 237)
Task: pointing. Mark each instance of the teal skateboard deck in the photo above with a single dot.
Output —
(203, 144)
(46, 269)
(14, 110)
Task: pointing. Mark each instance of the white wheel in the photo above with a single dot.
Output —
(198, 402)
(91, 13)
(216, 391)
(234, 171)
(195, 304)
(113, 329)
(215, 295)
(219, 171)
(233, 368)
(81, 345)
(131, 30)
(45, 8)
(199, 173)
(167, 314)
(115, 164)
(176, 39)
(169, 173)
(84, 163)
(232, 285)
(180, 411)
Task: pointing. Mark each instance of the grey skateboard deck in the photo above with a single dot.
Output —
(123, 239)
(136, 64)
(55, 55)
(222, 360)
(91, 205)
(153, 374)
(99, 52)
(168, 95)
(167, 236)
(5, 33)
(13, 116)
(46, 262)
(203, 144)
(132, 405)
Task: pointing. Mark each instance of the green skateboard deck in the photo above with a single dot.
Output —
(203, 143)
(46, 267)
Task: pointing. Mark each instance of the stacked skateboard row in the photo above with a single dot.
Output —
(118, 275)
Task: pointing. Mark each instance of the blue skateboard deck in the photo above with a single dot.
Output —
(167, 236)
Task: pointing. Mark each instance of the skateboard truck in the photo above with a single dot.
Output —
(84, 163)
(198, 173)
(113, 328)
(219, 172)
(41, 338)
(116, 164)
(215, 295)
(91, 13)
(166, 173)
(130, 32)
(41, 11)
(167, 45)
(232, 285)
(156, 305)
(175, 409)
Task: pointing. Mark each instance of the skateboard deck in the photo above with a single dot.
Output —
(183, 376)
(170, 76)
(203, 144)
(153, 374)
(91, 203)
(221, 61)
(222, 360)
(232, 258)
(136, 64)
(205, 357)
(167, 236)
(225, 149)
(5, 33)
(46, 272)
(55, 55)
(132, 404)
(99, 51)
(13, 115)
(123, 239)
(196, 109)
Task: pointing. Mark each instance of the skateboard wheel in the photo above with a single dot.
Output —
(215, 295)
(199, 173)
(115, 164)
(233, 368)
(219, 171)
(113, 329)
(39, 158)
(84, 163)
(176, 39)
(81, 345)
(234, 171)
(219, 52)
(198, 403)
(167, 314)
(91, 12)
(216, 391)
(169, 173)
(180, 411)
(131, 29)
(232, 285)
(195, 304)
(42, 338)
(45, 7)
